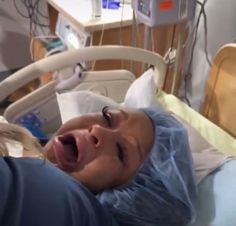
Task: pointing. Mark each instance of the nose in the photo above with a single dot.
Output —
(100, 135)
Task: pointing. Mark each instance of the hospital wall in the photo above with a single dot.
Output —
(221, 29)
(161, 40)
(14, 38)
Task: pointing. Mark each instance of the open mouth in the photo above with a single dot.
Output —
(70, 147)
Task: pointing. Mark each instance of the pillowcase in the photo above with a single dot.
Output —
(142, 92)
(76, 103)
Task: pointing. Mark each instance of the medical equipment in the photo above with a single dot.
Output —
(70, 35)
(159, 12)
(96, 9)
(153, 13)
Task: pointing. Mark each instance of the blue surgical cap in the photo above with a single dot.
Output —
(163, 191)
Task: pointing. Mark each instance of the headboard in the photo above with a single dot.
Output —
(220, 99)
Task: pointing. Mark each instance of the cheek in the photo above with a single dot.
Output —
(100, 174)
(48, 152)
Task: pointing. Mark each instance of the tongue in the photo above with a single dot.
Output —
(71, 152)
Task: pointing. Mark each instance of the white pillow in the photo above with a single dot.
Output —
(75, 103)
(142, 92)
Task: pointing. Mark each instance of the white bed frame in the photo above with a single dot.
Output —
(43, 98)
(69, 58)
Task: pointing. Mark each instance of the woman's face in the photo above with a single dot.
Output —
(102, 150)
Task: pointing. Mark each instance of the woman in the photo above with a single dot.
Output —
(137, 162)
(102, 150)
(35, 192)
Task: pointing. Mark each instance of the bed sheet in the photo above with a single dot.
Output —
(216, 136)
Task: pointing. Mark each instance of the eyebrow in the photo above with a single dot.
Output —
(124, 114)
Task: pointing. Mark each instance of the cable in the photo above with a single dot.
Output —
(99, 44)
(152, 40)
(188, 74)
(137, 30)
(121, 21)
(93, 64)
(40, 13)
(121, 26)
(103, 30)
(18, 10)
(171, 47)
(205, 37)
(30, 9)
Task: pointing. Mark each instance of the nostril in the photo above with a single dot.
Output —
(95, 140)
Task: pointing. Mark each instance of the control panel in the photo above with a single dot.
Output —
(71, 36)
(159, 12)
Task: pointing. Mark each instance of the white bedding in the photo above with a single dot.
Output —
(212, 133)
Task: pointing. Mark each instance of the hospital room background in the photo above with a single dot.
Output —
(17, 28)
(186, 34)
(175, 54)
(189, 45)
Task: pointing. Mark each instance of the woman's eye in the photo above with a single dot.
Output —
(107, 116)
(120, 153)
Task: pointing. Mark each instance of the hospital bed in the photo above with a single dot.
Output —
(218, 106)
(219, 129)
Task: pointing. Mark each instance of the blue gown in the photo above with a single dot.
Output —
(35, 193)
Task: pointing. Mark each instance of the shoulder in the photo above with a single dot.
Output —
(34, 192)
